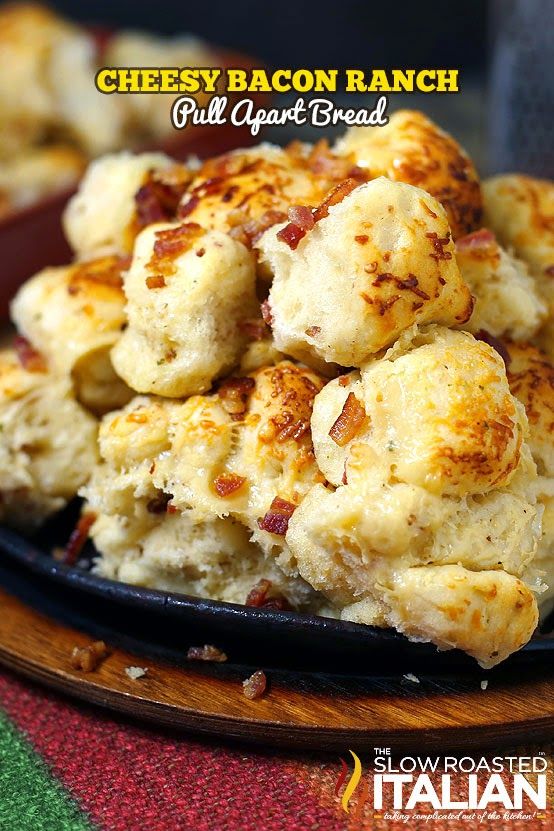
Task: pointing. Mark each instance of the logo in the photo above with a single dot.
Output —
(512, 788)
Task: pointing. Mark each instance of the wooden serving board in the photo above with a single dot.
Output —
(303, 710)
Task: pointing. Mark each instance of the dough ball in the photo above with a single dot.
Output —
(188, 291)
(47, 442)
(74, 315)
(507, 302)
(100, 218)
(435, 411)
(380, 261)
(412, 149)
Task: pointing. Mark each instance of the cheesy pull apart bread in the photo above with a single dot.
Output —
(189, 291)
(120, 194)
(73, 315)
(432, 521)
(379, 259)
(412, 149)
(507, 301)
(47, 440)
(148, 537)
(520, 210)
(531, 378)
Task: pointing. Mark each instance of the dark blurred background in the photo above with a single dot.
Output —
(504, 50)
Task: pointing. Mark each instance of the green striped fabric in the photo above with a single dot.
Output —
(30, 798)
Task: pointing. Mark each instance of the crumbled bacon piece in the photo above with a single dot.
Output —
(265, 308)
(361, 239)
(344, 380)
(349, 421)
(291, 235)
(188, 207)
(206, 653)
(476, 240)
(155, 281)
(312, 331)
(105, 271)
(227, 483)
(158, 505)
(323, 162)
(78, 538)
(234, 394)
(30, 359)
(248, 231)
(336, 195)
(159, 196)
(496, 344)
(254, 329)
(276, 520)
(170, 244)
(301, 216)
(438, 244)
(255, 686)
(88, 658)
(258, 597)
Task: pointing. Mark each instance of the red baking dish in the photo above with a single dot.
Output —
(33, 238)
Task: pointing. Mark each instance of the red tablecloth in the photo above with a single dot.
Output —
(68, 767)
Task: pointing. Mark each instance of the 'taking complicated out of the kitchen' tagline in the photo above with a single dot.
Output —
(225, 106)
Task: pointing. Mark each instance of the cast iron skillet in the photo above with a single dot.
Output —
(170, 617)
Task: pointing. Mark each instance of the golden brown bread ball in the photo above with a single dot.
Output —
(412, 149)
(520, 210)
(47, 441)
(507, 302)
(436, 411)
(247, 191)
(150, 537)
(531, 377)
(74, 315)
(435, 496)
(188, 292)
(380, 261)
(101, 217)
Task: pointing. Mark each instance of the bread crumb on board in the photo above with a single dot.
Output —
(136, 672)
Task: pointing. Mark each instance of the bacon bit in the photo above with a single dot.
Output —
(276, 520)
(344, 380)
(158, 505)
(410, 283)
(496, 344)
(477, 240)
(227, 483)
(265, 308)
(171, 243)
(88, 658)
(291, 235)
(78, 538)
(248, 231)
(159, 196)
(172, 509)
(301, 216)
(189, 206)
(234, 394)
(438, 244)
(137, 418)
(349, 421)
(361, 239)
(285, 427)
(428, 209)
(155, 281)
(255, 686)
(257, 597)
(200, 252)
(206, 653)
(254, 329)
(549, 270)
(311, 331)
(30, 359)
(323, 162)
(336, 195)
